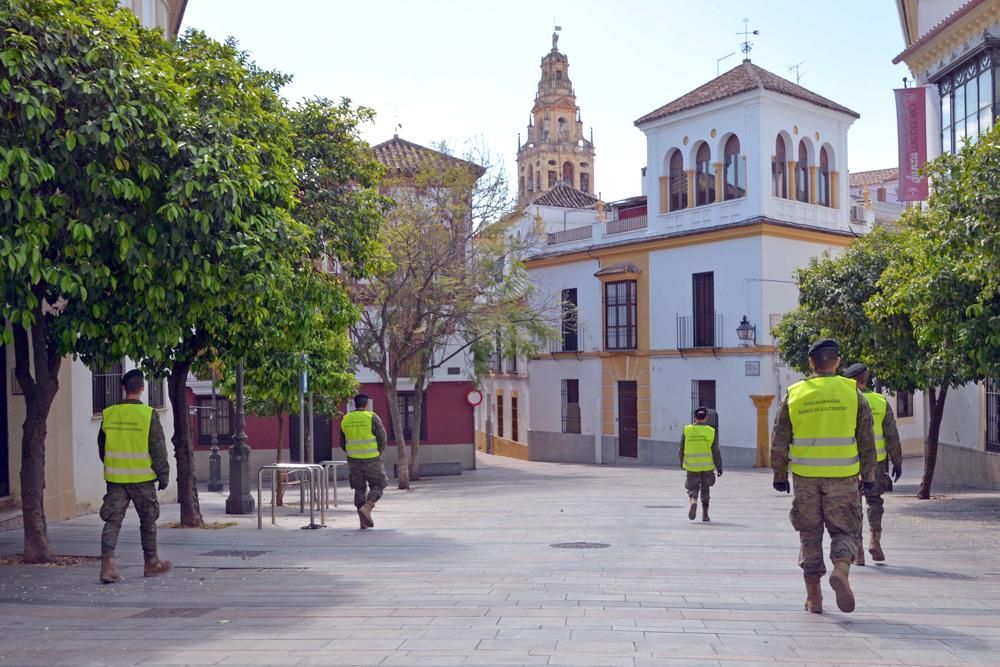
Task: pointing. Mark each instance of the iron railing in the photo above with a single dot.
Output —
(626, 225)
(993, 415)
(575, 234)
(695, 332)
(570, 338)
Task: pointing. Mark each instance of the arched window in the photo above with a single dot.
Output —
(562, 129)
(678, 183)
(823, 179)
(531, 178)
(779, 169)
(802, 174)
(568, 173)
(704, 179)
(734, 178)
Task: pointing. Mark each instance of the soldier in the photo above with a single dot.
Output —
(824, 430)
(699, 452)
(888, 447)
(362, 437)
(134, 451)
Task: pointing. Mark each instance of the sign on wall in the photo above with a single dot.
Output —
(751, 368)
(911, 123)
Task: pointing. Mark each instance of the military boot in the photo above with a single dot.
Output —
(704, 512)
(109, 573)
(365, 513)
(875, 546)
(155, 566)
(693, 510)
(814, 594)
(841, 586)
(859, 558)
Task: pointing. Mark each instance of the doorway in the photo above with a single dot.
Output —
(4, 451)
(628, 419)
(322, 433)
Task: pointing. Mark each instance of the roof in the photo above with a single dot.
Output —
(405, 158)
(874, 176)
(743, 78)
(563, 196)
(616, 269)
(943, 25)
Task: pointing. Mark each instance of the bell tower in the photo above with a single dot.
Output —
(555, 152)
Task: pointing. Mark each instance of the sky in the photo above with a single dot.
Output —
(466, 72)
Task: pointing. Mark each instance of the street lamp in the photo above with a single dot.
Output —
(214, 458)
(746, 332)
(239, 501)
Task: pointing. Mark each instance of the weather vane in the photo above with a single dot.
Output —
(747, 45)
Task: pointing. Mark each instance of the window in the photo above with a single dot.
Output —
(520, 183)
(499, 415)
(567, 173)
(531, 178)
(620, 327)
(584, 182)
(514, 432)
(225, 419)
(571, 406)
(880, 194)
(678, 183)
(704, 179)
(155, 395)
(968, 100)
(552, 178)
(904, 403)
(823, 180)
(407, 414)
(538, 181)
(802, 174)
(992, 387)
(703, 299)
(703, 395)
(779, 167)
(106, 386)
(734, 178)
(570, 322)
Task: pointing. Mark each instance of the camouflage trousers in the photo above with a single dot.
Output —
(874, 498)
(116, 502)
(367, 478)
(700, 481)
(831, 503)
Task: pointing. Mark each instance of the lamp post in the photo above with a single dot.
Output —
(746, 332)
(239, 501)
(214, 458)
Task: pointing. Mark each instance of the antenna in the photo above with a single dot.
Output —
(747, 45)
(795, 69)
(397, 126)
(718, 61)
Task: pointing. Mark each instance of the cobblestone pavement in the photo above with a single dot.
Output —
(460, 571)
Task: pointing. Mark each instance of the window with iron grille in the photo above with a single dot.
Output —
(904, 403)
(514, 430)
(156, 394)
(620, 325)
(570, 329)
(408, 415)
(499, 415)
(571, 406)
(106, 386)
(993, 415)
(225, 420)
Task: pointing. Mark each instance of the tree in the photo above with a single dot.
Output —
(89, 103)
(455, 280)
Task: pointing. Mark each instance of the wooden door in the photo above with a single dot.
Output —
(628, 420)
(4, 469)
(704, 309)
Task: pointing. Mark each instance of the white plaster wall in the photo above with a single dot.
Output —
(545, 383)
(506, 384)
(932, 12)
(963, 422)
(550, 281)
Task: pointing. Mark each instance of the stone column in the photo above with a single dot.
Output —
(664, 194)
(719, 191)
(812, 185)
(792, 190)
(692, 195)
(762, 403)
(834, 189)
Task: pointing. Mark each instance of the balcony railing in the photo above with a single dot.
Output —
(570, 339)
(496, 362)
(626, 225)
(512, 365)
(575, 234)
(699, 332)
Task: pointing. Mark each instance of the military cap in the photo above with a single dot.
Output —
(361, 398)
(855, 370)
(134, 373)
(824, 344)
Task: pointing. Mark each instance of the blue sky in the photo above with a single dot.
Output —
(461, 71)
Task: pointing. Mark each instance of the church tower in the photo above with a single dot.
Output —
(555, 152)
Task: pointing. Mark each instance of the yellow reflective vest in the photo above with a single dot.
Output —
(360, 437)
(698, 439)
(879, 407)
(126, 443)
(824, 415)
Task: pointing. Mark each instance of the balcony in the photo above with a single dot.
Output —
(627, 225)
(699, 332)
(512, 365)
(570, 339)
(570, 235)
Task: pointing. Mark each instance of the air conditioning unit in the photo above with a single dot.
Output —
(858, 213)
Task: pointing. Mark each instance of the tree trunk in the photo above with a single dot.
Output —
(418, 414)
(39, 393)
(187, 490)
(403, 459)
(280, 477)
(937, 398)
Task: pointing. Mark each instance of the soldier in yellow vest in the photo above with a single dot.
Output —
(700, 457)
(363, 439)
(134, 451)
(823, 433)
(889, 448)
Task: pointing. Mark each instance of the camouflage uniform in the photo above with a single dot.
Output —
(702, 481)
(142, 495)
(367, 476)
(823, 501)
(883, 483)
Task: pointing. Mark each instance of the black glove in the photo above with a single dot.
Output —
(719, 472)
(782, 487)
(897, 471)
(868, 487)
(162, 482)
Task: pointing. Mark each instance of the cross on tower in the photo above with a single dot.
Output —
(747, 45)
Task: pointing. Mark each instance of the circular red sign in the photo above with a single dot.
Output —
(474, 397)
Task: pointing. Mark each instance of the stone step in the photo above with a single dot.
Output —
(11, 519)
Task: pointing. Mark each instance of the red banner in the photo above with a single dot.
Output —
(911, 122)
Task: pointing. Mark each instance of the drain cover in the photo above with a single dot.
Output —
(234, 553)
(173, 612)
(580, 545)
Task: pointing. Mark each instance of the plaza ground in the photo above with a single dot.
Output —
(461, 571)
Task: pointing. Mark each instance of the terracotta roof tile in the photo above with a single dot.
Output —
(563, 196)
(405, 158)
(743, 78)
(860, 178)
